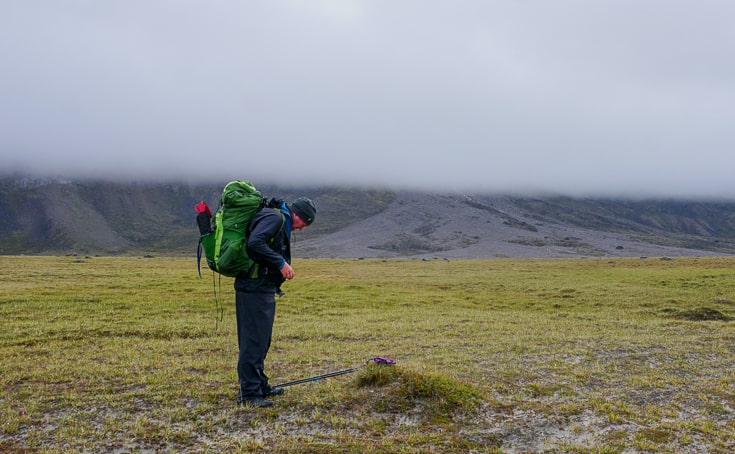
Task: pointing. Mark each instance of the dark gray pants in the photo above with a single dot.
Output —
(255, 315)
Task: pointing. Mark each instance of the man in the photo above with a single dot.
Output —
(269, 245)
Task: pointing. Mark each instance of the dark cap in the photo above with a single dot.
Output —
(305, 208)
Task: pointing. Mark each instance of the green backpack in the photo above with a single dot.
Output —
(225, 241)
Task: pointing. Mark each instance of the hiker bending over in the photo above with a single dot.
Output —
(269, 245)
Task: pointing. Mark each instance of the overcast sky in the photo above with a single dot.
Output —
(591, 97)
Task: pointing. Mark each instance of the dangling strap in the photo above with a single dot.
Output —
(219, 307)
(199, 258)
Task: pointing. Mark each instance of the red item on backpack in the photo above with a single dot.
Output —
(202, 207)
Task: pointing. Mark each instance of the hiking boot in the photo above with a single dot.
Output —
(274, 391)
(255, 401)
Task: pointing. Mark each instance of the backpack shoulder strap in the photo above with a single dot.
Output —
(283, 221)
(256, 266)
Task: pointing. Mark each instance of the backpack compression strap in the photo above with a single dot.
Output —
(218, 239)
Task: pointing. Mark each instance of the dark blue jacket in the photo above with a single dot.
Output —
(269, 245)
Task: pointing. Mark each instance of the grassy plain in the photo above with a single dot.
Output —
(600, 355)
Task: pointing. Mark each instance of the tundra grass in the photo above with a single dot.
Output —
(596, 355)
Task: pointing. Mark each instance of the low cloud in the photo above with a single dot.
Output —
(578, 97)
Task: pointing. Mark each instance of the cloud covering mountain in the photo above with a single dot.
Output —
(612, 97)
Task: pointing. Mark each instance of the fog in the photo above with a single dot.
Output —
(605, 97)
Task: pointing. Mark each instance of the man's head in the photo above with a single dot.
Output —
(304, 211)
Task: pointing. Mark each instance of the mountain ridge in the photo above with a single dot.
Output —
(46, 216)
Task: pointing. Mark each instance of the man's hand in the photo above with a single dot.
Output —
(287, 271)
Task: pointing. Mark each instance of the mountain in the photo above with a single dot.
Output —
(452, 225)
(45, 216)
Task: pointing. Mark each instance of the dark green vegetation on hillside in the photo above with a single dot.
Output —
(573, 355)
(692, 224)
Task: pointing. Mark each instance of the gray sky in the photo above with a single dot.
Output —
(590, 97)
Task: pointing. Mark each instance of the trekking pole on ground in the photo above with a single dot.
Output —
(375, 359)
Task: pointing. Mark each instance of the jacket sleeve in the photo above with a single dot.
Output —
(264, 228)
